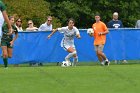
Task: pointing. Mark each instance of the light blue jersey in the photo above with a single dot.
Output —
(68, 39)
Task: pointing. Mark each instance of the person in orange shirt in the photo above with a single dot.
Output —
(100, 31)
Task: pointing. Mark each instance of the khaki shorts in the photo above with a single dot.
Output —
(98, 47)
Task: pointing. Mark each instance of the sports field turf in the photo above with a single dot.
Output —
(80, 79)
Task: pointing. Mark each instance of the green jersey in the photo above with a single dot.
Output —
(2, 6)
(5, 30)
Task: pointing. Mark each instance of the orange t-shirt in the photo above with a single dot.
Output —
(99, 27)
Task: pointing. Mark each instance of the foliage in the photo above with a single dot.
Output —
(77, 10)
(83, 11)
(128, 10)
(36, 10)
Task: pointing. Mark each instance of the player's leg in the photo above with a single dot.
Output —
(100, 52)
(99, 56)
(10, 51)
(102, 55)
(75, 59)
(97, 49)
(5, 55)
(71, 51)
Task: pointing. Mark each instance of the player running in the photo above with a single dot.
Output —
(100, 31)
(7, 41)
(68, 40)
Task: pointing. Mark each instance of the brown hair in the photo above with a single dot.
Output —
(71, 19)
(17, 21)
(11, 17)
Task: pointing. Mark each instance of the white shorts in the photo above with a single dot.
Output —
(66, 46)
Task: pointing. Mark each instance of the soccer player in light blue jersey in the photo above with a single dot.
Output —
(67, 42)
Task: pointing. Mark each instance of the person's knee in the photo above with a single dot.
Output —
(4, 55)
(99, 52)
(74, 54)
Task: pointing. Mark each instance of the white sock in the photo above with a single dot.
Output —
(75, 60)
(70, 55)
(106, 59)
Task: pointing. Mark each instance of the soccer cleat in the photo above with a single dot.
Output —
(107, 63)
(124, 61)
(102, 64)
(40, 64)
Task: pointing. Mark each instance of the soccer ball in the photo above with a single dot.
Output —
(65, 64)
(90, 31)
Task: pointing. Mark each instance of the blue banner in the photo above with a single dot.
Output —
(35, 47)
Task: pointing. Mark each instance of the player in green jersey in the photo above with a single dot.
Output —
(7, 41)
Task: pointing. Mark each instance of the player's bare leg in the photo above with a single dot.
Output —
(10, 50)
(100, 58)
(103, 57)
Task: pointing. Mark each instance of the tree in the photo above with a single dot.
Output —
(83, 11)
(128, 10)
(77, 10)
(37, 10)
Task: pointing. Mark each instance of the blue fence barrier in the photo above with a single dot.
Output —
(35, 47)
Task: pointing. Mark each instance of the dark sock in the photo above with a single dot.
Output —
(5, 60)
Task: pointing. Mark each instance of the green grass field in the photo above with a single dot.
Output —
(80, 79)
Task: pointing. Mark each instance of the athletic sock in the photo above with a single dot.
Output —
(106, 59)
(75, 60)
(5, 60)
(69, 55)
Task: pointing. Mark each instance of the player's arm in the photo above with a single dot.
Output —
(78, 36)
(7, 21)
(15, 37)
(53, 31)
(105, 30)
(104, 33)
(91, 34)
